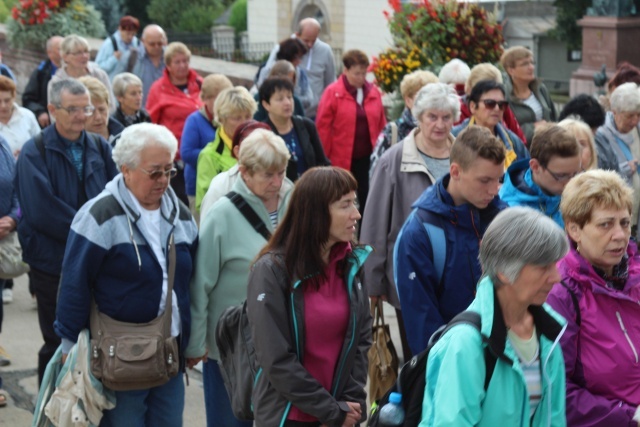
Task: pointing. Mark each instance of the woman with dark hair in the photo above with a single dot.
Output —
(487, 104)
(299, 133)
(350, 118)
(292, 50)
(308, 312)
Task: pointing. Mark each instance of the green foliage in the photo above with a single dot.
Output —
(137, 8)
(568, 12)
(238, 16)
(111, 11)
(76, 18)
(194, 16)
(4, 11)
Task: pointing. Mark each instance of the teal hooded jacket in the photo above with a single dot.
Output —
(460, 399)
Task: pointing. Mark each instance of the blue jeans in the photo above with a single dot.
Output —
(160, 406)
(216, 399)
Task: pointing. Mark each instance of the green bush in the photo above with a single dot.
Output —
(199, 19)
(238, 16)
(195, 16)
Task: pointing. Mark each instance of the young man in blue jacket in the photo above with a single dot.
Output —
(436, 254)
(56, 173)
(538, 182)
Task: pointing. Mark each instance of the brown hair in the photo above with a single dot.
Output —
(473, 142)
(514, 54)
(553, 140)
(7, 85)
(354, 57)
(304, 230)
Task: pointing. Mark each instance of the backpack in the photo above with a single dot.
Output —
(237, 362)
(412, 381)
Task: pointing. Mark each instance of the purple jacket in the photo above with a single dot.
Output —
(602, 354)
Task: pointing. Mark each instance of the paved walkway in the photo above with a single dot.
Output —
(21, 338)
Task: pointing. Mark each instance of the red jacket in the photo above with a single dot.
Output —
(169, 106)
(336, 121)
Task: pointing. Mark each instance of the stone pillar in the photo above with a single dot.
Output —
(606, 40)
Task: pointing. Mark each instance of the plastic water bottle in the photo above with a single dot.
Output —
(392, 414)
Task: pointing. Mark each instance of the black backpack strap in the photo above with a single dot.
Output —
(95, 138)
(39, 141)
(249, 214)
(472, 318)
(576, 304)
(114, 43)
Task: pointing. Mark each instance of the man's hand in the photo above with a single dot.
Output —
(193, 361)
(117, 54)
(43, 120)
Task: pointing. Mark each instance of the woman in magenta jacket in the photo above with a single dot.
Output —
(599, 298)
(350, 118)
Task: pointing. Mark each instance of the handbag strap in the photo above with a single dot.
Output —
(378, 313)
(250, 215)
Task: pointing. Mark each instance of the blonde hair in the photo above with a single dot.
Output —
(72, 42)
(173, 49)
(263, 150)
(593, 189)
(213, 84)
(484, 71)
(97, 90)
(122, 81)
(514, 54)
(413, 82)
(579, 128)
(234, 100)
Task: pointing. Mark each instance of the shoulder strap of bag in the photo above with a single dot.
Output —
(169, 301)
(114, 43)
(249, 214)
(39, 141)
(394, 133)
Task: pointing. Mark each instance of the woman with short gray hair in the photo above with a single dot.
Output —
(229, 243)
(400, 177)
(518, 336)
(119, 251)
(618, 140)
(127, 88)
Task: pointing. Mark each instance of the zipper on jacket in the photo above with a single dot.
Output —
(626, 334)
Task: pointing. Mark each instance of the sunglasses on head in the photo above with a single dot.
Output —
(491, 104)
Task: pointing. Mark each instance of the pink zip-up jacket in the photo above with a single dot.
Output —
(602, 355)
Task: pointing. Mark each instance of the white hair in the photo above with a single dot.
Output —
(454, 72)
(436, 96)
(625, 98)
(136, 138)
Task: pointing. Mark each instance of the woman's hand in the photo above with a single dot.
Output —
(354, 416)
(7, 225)
(193, 361)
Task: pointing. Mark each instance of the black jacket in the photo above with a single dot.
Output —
(141, 117)
(34, 96)
(310, 143)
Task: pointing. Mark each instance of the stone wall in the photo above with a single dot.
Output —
(22, 62)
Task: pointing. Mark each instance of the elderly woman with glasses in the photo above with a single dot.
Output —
(599, 296)
(618, 140)
(229, 243)
(76, 63)
(118, 254)
(528, 96)
(100, 122)
(487, 103)
(509, 371)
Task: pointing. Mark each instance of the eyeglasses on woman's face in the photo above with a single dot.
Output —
(159, 173)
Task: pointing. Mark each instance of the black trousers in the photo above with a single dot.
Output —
(360, 171)
(178, 185)
(45, 287)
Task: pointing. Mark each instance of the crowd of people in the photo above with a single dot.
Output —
(137, 187)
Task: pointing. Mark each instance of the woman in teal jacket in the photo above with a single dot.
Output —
(518, 254)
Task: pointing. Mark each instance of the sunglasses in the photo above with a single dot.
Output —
(491, 104)
(159, 173)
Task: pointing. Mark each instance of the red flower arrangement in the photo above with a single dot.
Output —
(32, 12)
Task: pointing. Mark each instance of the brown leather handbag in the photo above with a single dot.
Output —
(383, 359)
(135, 356)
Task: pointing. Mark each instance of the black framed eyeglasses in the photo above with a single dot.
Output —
(158, 173)
(562, 177)
(87, 111)
(491, 104)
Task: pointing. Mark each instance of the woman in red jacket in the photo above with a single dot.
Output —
(350, 118)
(172, 98)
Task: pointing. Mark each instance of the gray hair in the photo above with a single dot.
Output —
(454, 71)
(263, 150)
(520, 236)
(70, 86)
(136, 138)
(626, 98)
(436, 96)
(122, 81)
(71, 42)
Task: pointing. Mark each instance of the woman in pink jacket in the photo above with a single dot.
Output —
(350, 118)
(599, 297)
